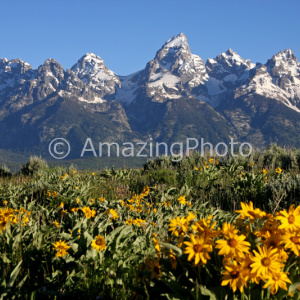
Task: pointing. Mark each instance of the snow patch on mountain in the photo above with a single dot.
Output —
(231, 78)
(163, 79)
(95, 100)
(129, 88)
(214, 86)
(176, 41)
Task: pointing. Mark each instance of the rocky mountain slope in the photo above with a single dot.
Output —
(176, 95)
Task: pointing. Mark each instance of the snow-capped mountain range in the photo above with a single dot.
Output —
(236, 94)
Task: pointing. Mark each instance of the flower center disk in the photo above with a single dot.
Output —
(197, 248)
(232, 243)
(265, 262)
(234, 274)
(291, 219)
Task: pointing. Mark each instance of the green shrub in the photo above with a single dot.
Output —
(36, 164)
(5, 171)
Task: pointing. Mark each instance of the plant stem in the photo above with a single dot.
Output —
(262, 293)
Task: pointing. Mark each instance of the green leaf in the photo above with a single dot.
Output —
(294, 287)
(91, 253)
(74, 247)
(5, 259)
(207, 292)
(173, 247)
(171, 297)
(14, 275)
(66, 236)
(69, 259)
(20, 284)
(88, 237)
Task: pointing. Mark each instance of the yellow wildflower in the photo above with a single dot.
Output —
(56, 224)
(234, 245)
(248, 211)
(278, 280)
(129, 222)
(265, 262)
(89, 213)
(291, 240)
(99, 243)
(61, 247)
(156, 244)
(289, 220)
(178, 225)
(233, 275)
(112, 214)
(198, 248)
(182, 200)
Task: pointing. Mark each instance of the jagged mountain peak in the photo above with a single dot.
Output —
(225, 72)
(284, 59)
(17, 65)
(89, 61)
(88, 66)
(231, 58)
(284, 69)
(12, 72)
(173, 48)
(177, 41)
(285, 55)
(230, 51)
(174, 71)
(91, 56)
(51, 61)
(92, 70)
(284, 63)
(13, 61)
(51, 68)
(163, 78)
(289, 51)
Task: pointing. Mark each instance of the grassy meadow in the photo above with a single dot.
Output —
(201, 228)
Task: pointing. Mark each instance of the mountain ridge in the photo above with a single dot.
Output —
(245, 98)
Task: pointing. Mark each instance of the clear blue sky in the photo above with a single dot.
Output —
(127, 33)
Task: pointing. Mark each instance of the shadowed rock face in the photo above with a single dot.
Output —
(175, 96)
